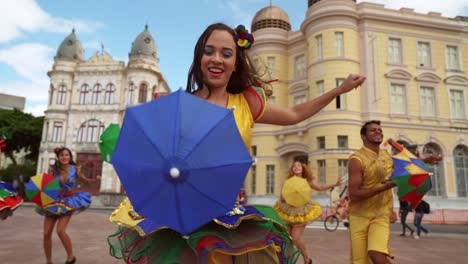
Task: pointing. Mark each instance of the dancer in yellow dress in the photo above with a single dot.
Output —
(220, 74)
(297, 218)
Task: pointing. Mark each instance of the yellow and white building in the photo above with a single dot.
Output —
(87, 95)
(417, 85)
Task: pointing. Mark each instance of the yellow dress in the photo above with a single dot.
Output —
(257, 234)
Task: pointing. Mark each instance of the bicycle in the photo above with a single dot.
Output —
(332, 221)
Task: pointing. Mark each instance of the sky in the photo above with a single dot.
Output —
(31, 32)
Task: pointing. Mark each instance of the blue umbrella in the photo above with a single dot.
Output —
(181, 160)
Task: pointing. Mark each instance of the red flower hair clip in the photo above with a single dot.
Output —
(243, 38)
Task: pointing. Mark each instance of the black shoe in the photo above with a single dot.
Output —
(71, 261)
(411, 233)
(402, 235)
(310, 261)
(346, 224)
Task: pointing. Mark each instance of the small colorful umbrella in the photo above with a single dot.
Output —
(410, 174)
(108, 140)
(43, 189)
(181, 160)
(8, 197)
(296, 191)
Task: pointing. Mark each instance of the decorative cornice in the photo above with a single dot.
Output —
(292, 147)
(456, 80)
(398, 74)
(428, 77)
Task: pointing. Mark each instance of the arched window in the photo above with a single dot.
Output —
(96, 96)
(109, 94)
(131, 93)
(90, 131)
(61, 94)
(51, 94)
(460, 155)
(142, 93)
(438, 182)
(84, 92)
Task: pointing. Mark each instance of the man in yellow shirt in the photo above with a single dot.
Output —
(371, 197)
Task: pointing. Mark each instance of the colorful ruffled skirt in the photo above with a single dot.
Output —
(9, 200)
(71, 203)
(298, 215)
(256, 236)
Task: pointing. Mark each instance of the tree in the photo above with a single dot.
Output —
(23, 132)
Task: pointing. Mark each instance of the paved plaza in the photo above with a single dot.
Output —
(22, 242)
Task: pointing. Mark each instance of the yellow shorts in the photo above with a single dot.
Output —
(368, 234)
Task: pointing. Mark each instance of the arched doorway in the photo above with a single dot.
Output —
(460, 155)
(438, 177)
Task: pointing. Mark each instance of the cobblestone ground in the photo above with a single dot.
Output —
(22, 242)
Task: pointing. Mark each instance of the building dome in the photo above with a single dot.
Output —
(71, 48)
(271, 17)
(144, 44)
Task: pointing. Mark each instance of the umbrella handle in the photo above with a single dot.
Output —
(395, 144)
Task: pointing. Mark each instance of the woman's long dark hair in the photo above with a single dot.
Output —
(241, 78)
(57, 166)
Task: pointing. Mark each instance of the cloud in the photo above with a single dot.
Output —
(448, 8)
(22, 16)
(30, 60)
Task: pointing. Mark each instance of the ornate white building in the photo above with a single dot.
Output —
(85, 96)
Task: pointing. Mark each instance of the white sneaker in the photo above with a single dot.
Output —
(415, 236)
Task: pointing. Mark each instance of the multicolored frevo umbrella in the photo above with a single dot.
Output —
(43, 189)
(108, 140)
(410, 175)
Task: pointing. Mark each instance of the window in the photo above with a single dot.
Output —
(109, 94)
(321, 142)
(318, 39)
(254, 150)
(142, 93)
(57, 132)
(84, 91)
(322, 174)
(131, 94)
(394, 51)
(96, 96)
(46, 131)
(61, 94)
(457, 104)
(427, 101)
(270, 179)
(342, 168)
(299, 99)
(90, 131)
(340, 99)
(452, 60)
(253, 183)
(271, 64)
(397, 99)
(320, 87)
(424, 54)
(343, 142)
(300, 67)
(339, 44)
(51, 94)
